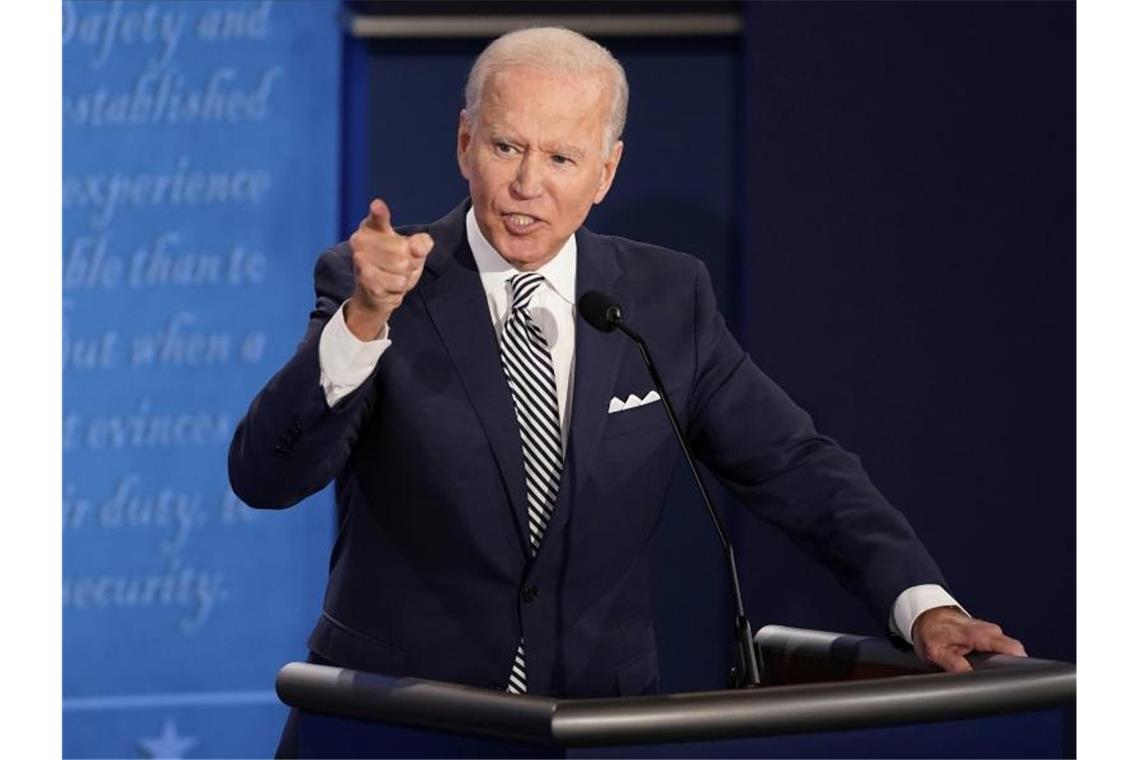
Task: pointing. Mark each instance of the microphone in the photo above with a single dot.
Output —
(602, 312)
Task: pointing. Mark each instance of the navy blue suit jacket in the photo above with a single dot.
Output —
(430, 574)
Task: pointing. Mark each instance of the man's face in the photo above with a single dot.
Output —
(533, 160)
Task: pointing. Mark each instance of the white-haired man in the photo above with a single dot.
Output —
(497, 504)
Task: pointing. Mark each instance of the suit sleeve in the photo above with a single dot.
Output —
(766, 450)
(291, 443)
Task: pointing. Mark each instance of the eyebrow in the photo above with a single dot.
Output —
(566, 150)
(506, 135)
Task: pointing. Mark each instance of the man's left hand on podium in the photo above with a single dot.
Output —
(943, 636)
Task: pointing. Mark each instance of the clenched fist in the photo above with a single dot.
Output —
(387, 265)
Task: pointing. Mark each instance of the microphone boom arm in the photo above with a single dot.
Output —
(749, 664)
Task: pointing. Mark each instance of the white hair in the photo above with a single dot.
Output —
(558, 51)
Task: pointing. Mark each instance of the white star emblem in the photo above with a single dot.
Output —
(169, 745)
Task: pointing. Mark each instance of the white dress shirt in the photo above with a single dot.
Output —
(346, 362)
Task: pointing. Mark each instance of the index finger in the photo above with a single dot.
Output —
(379, 217)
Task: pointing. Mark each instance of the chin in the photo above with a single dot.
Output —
(527, 255)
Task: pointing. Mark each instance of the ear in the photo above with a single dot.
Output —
(463, 143)
(609, 171)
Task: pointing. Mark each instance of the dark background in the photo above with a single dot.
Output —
(909, 276)
(885, 195)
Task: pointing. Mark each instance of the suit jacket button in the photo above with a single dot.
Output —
(529, 593)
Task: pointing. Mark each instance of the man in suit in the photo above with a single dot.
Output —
(499, 486)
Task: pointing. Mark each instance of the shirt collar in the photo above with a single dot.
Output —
(494, 270)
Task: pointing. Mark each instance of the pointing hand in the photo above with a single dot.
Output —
(387, 266)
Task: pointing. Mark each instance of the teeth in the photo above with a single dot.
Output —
(521, 220)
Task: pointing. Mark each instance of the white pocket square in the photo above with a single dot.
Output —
(617, 405)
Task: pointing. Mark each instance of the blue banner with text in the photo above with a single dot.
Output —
(200, 182)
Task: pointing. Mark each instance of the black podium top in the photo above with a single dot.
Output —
(884, 686)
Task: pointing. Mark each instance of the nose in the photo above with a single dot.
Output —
(528, 177)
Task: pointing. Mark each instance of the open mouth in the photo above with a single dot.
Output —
(520, 224)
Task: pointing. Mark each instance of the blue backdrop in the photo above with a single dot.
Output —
(200, 179)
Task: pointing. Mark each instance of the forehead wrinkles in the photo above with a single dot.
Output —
(563, 109)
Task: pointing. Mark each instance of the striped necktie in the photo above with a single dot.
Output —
(530, 376)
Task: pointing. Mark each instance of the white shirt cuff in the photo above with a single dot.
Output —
(346, 361)
(913, 602)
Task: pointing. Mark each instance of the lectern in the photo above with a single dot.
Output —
(828, 694)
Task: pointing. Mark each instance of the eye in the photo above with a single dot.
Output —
(504, 149)
(562, 160)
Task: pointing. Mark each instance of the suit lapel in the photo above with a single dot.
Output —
(457, 305)
(596, 359)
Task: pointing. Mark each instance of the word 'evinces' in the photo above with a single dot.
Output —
(145, 429)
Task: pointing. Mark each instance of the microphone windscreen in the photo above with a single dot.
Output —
(600, 310)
